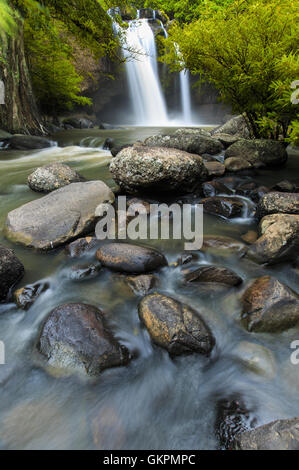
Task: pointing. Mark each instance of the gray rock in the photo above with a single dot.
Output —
(282, 434)
(74, 338)
(124, 257)
(141, 285)
(278, 241)
(275, 202)
(51, 177)
(192, 143)
(175, 326)
(58, 217)
(260, 153)
(269, 306)
(28, 142)
(236, 164)
(11, 271)
(26, 296)
(154, 169)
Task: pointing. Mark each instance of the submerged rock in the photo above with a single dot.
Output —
(223, 246)
(197, 143)
(214, 274)
(28, 142)
(74, 338)
(215, 187)
(54, 176)
(175, 326)
(282, 434)
(286, 186)
(223, 206)
(275, 202)
(154, 169)
(59, 217)
(124, 257)
(79, 272)
(260, 153)
(279, 240)
(26, 296)
(269, 306)
(82, 246)
(256, 359)
(11, 271)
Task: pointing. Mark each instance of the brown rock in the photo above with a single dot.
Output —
(215, 168)
(141, 285)
(214, 274)
(274, 203)
(223, 206)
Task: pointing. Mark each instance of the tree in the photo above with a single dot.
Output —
(248, 50)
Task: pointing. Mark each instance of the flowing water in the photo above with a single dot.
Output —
(155, 402)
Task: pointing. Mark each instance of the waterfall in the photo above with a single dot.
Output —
(142, 71)
(185, 97)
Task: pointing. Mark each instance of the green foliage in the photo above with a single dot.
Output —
(7, 23)
(248, 50)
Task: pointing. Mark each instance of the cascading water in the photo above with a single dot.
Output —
(186, 97)
(142, 72)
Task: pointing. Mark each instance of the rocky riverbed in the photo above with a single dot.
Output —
(127, 343)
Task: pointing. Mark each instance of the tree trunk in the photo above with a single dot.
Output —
(19, 114)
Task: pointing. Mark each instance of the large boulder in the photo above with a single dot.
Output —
(276, 202)
(28, 142)
(59, 217)
(151, 169)
(124, 257)
(74, 337)
(260, 153)
(269, 306)
(278, 241)
(51, 177)
(11, 271)
(282, 434)
(235, 126)
(175, 326)
(196, 143)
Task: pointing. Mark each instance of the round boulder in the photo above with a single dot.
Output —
(54, 176)
(175, 326)
(75, 338)
(11, 271)
(124, 257)
(154, 169)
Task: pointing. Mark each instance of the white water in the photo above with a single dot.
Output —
(186, 97)
(142, 71)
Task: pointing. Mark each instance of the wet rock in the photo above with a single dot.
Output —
(274, 202)
(235, 126)
(286, 186)
(215, 168)
(141, 285)
(269, 306)
(279, 240)
(108, 144)
(11, 271)
(28, 142)
(26, 296)
(51, 177)
(257, 193)
(192, 143)
(257, 359)
(232, 417)
(74, 338)
(213, 188)
(223, 246)
(82, 246)
(58, 217)
(117, 148)
(187, 258)
(175, 326)
(78, 123)
(236, 164)
(250, 237)
(214, 274)
(79, 272)
(152, 169)
(260, 153)
(124, 257)
(223, 206)
(282, 434)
